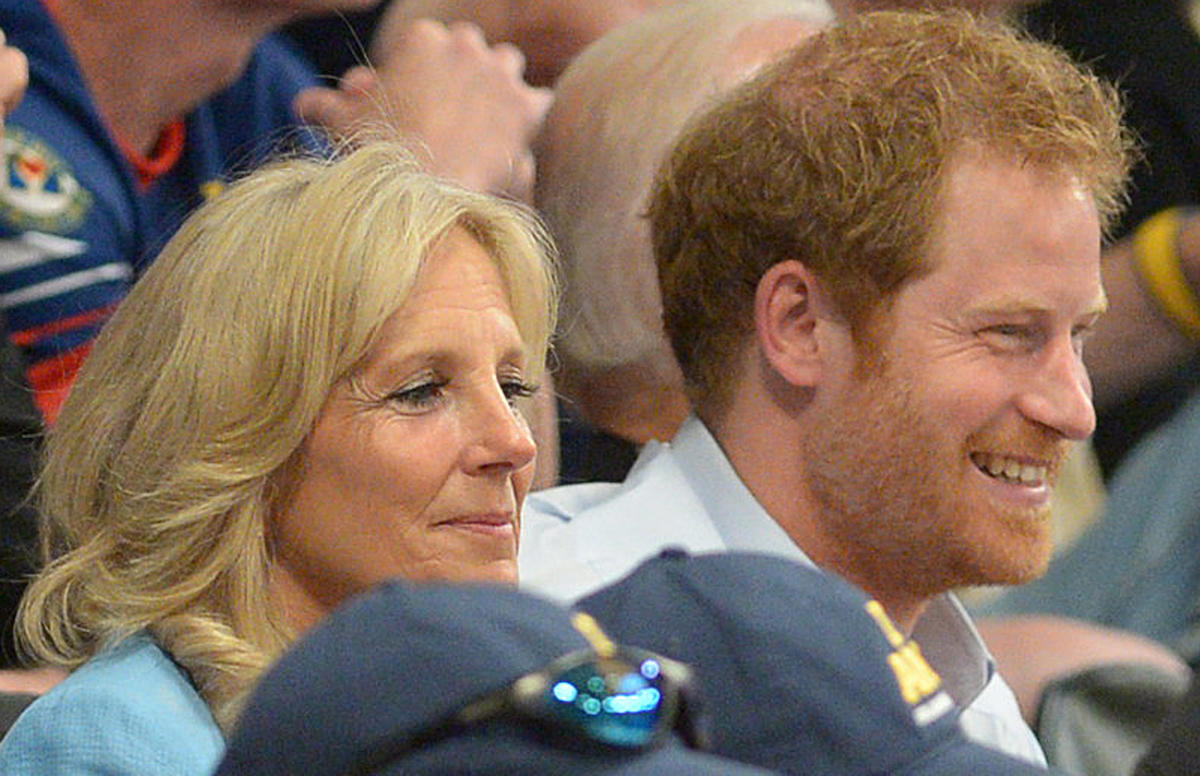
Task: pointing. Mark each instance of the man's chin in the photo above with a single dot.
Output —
(1016, 555)
(1015, 566)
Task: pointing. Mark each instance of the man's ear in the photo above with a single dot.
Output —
(786, 304)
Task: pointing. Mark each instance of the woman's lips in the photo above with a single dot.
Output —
(490, 524)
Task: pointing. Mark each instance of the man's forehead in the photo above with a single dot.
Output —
(1007, 235)
(973, 159)
(990, 184)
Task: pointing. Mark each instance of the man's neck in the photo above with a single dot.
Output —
(903, 605)
(762, 439)
(149, 62)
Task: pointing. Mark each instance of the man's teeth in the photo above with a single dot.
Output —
(1005, 468)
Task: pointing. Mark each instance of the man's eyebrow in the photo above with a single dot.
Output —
(1016, 305)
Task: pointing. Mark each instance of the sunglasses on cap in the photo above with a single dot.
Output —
(616, 697)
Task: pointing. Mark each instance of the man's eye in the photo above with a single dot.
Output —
(1009, 330)
(1080, 335)
(1012, 336)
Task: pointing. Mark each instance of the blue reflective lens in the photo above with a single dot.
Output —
(565, 692)
(614, 703)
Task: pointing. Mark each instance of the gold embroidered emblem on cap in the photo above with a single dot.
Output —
(591, 630)
(916, 677)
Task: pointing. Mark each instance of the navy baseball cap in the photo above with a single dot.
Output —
(425, 679)
(802, 673)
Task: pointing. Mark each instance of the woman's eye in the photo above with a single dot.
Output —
(517, 389)
(419, 397)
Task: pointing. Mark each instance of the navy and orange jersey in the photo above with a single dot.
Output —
(80, 218)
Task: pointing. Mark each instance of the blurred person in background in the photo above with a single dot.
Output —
(108, 153)
(617, 110)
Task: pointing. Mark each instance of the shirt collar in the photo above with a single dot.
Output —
(740, 520)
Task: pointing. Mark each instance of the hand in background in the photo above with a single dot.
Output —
(464, 103)
(14, 77)
(549, 32)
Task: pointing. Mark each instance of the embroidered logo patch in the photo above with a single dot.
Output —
(38, 190)
(919, 684)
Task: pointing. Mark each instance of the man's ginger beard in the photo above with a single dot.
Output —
(899, 508)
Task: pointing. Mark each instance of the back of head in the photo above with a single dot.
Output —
(617, 108)
(171, 451)
(835, 157)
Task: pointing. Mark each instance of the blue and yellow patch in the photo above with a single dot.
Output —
(920, 685)
(39, 191)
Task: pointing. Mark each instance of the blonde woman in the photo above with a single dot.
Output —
(312, 389)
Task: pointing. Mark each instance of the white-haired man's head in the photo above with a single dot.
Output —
(618, 108)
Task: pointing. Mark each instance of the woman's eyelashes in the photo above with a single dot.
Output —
(428, 392)
(419, 396)
(516, 389)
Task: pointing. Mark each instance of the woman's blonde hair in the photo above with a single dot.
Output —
(160, 475)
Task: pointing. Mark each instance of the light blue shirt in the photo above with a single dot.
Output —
(128, 711)
(578, 538)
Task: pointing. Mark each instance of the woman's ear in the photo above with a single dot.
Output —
(786, 305)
